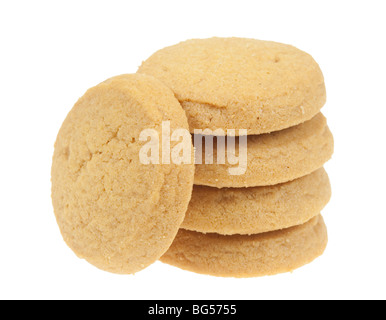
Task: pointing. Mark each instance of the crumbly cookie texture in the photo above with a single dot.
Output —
(273, 158)
(118, 214)
(236, 83)
(248, 256)
(255, 210)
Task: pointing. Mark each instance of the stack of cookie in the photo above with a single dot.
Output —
(267, 219)
(258, 215)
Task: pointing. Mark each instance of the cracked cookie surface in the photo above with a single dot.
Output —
(118, 214)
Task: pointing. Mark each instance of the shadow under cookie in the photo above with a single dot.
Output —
(243, 256)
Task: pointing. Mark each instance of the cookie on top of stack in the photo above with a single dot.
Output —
(266, 220)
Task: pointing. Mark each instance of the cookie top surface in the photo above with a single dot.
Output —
(115, 212)
(237, 83)
(272, 158)
(256, 210)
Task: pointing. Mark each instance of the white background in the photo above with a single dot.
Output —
(51, 52)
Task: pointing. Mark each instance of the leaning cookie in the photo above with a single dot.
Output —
(243, 256)
(114, 211)
(236, 83)
(272, 158)
(255, 210)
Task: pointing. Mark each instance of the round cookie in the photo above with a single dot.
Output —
(115, 212)
(243, 256)
(255, 210)
(273, 158)
(236, 83)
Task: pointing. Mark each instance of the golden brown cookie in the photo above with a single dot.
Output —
(236, 83)
(243, 256)
(115, 212)
(260, 209)
(273, 158)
